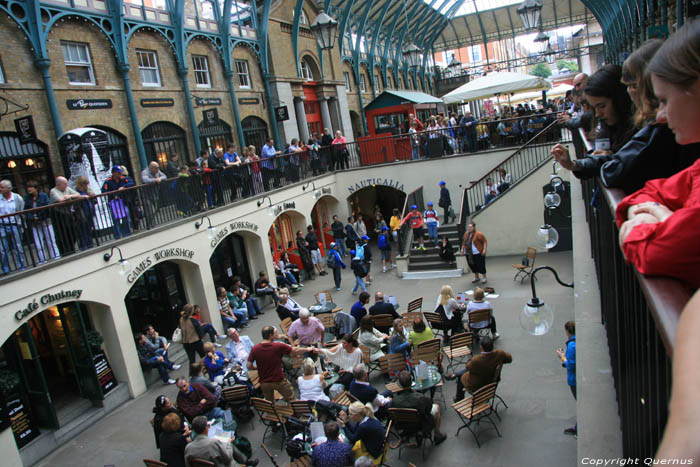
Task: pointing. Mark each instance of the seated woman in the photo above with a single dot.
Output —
(447, 252)
(450, 311)
(659, 224)
(173, 441)
(196, 377)
(311, 385)
(478, 303)
(371, 338)
(504, 180)
(398, 342)
(287, 307)
(363, 431)
(420, 333)
(163, 408)
(291, 270)
(215, 362)
(345, 356)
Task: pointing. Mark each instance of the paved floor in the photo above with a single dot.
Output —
(534, 385)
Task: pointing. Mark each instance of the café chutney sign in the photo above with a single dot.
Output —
(376, 181)
(160, 255)
(232, 227)
(47, 299)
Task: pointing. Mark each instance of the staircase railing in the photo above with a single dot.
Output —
(518, 165)
(405, 232)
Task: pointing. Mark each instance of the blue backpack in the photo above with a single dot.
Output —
(381, 243)
(332, 260)
(360, 251)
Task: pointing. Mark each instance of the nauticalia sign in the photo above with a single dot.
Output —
(376, 181)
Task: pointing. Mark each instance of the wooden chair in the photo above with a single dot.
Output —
(196, 462)
(436, 323)
(476, 408)
(154, 463)
(459, 350)
(269, 454)
(479, 317)
(329, 296)
(428, 351)
(392, 363)
(236, 396)
(382, 321)
(270, 417)
(344, 398)
(410, 316)
(497, 379)
(302, 409)
(371, 366)
(408, 423)
(328, 321)
(295, 370)
(385, 447)
(303, 461)
(526, 269)
(415, 305)
(285, 324)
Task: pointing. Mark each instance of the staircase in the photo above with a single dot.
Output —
(428, 264)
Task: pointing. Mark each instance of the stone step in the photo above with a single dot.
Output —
(431, 266)
(436, 274)
(417, 259)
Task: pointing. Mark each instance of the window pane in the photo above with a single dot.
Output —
(78, 74)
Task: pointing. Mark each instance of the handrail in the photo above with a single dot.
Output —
(405, 232)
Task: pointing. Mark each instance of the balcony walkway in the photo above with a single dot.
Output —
(534, 385)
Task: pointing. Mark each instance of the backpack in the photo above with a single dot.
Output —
(381, 242)
(331, 260)
(360, 252)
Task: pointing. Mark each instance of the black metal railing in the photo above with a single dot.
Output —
(640, 315)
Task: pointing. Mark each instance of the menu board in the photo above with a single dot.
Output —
(104, 373)
(20, 421)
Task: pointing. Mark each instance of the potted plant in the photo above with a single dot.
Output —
(9, 382)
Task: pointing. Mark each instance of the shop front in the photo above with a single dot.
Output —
(21, 162)
(212, 137)
(161, 139)
(230, 260)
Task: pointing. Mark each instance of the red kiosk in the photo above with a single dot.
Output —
(387, 115)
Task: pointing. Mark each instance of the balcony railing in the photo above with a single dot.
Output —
(35, 236)
(640, 315)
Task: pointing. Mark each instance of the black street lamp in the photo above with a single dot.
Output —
(324, 29)
(530, 12)
(211, 229)
(412, 55)
(124, 266)
(537, 317)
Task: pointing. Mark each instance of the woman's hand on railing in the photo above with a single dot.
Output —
(637, 219)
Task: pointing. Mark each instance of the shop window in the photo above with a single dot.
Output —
(243, 74)
(161, 139)
(376, 83)
(148, 67)
(214, 137)
(346, 76)
(78, 65)
(254, 132)
(306, 71)
(201, 71)
(363, 83)
(475, 53)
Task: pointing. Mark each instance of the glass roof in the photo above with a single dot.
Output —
(471, 6)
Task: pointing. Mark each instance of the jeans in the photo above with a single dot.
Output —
(446, 214)
(290, 277)
(241, 315)
(415, 151)
(45, 240)
(228, 322)
(209, 329)
(162, 367)
(359, 283)
(11, 244)
(341, 246)
(253, 305)
(120, 226)
(336, 277)
(432, 231)
(216, 412)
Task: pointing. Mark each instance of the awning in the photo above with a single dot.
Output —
(496, 83)
(556, 91)
(390, 98)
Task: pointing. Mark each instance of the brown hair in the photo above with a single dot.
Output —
(678, 59)
(350, 339)
(187, 311)
(82, 181)
(366, 324)
(171, 423)
(633, 73)
(418, 325)
(478, 294)
(570, 327)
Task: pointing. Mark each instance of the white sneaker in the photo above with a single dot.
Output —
(176, 366)
(354, 292)
(496, 336)
(221, 336)
(384, 269)
(393, 266)
(216, 344)
(338, 289)
(170, 381)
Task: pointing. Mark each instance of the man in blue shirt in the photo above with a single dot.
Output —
(568, 361)
(231, 162)
(333, 452)
(267, 153)
(358, 310)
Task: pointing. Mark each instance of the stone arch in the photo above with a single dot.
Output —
(238, 252)
(369, 193)
(308, 58)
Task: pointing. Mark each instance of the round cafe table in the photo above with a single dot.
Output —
(317, 309)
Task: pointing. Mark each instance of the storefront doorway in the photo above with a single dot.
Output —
(20, 163)
(367, 200)
(229, 260)
(54, 356)
(161, 139)
(156, 298)
(214, 137)
(254, 132)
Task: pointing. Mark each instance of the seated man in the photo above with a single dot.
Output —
(480, 370)
(149, 358)
(238, 304)
(410, 399)
(381, 307)
(333, 452)
(358, 310)
(307, 329)
(263, 287)
(287, 307)
(252, 302)
(194, 400)
(238, 348)
(211, 449)
(159, 342)
(366, 393)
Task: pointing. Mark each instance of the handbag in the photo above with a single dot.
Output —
(177, 336)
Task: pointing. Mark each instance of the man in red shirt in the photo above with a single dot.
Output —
(416, 219)
(267, 357)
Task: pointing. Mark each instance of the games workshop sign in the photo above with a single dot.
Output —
(232, 227)
(376, 181)
(160, 255)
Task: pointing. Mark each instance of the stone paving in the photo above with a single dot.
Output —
(534, 385)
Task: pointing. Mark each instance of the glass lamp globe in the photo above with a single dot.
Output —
(536, 318)
(270, 210)
(547, 236)
(124, 267)
(556, 182)
(211, 232)
(552, 200)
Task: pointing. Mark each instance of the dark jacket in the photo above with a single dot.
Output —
(189, 403)
(352, 235)
(444, 197)
(358, 268)
(172, 169)
(111, 185)
(363, 392)
(371, 432)
(409, 399)
(42, 199)
(312, 240)
(383, 308)
(338, 229)
(481, 369)
(172, 449)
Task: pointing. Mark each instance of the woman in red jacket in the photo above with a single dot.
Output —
(659, 224)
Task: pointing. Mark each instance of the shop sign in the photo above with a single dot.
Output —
(20, 422)
(211, 117)
(25, 129)
(248, 100)
(164, 102)
(376, 181)
(88, 104)
(232, 227)
(104, 373)
(281, 113)
(202, 101)
(47, 299)
(160, 255)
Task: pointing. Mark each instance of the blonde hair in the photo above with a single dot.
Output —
(187, 311)
(446, 293)
(82, 180)
(357, 408)
(478, 294)
(308, 367)
(283, 290)
(208, 347)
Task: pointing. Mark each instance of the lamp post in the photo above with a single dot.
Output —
(412, 54)
(530, 13)
(325, 29)
(211, 230)
(537, 317)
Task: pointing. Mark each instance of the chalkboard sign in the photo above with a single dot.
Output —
(20, 421)
(104, 373)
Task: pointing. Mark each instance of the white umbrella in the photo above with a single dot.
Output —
(494, 84)
(556, 91)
